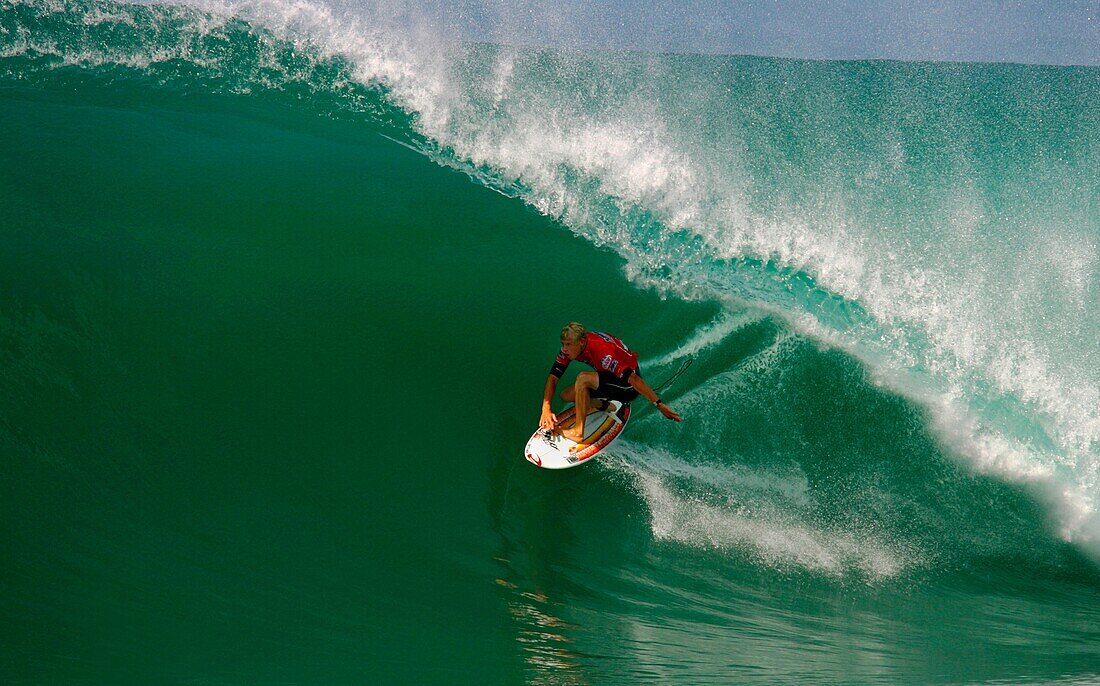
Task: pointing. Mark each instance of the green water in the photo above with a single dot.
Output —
(266, 374)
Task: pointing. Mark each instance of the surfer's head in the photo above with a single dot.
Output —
(573, 339)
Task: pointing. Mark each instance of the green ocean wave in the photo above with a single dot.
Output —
(267, 360)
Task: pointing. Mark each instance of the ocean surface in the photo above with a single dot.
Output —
(280, 284)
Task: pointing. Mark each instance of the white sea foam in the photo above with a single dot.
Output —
(724, 476)
(97, 16)
(775, 537)
(718, 330)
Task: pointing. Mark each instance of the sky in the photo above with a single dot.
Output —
(1064, 32)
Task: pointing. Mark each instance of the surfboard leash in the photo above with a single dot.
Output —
(676, 374)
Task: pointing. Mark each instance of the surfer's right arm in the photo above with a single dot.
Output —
(548, 420)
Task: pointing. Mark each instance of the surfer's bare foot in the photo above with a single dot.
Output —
(572, 435)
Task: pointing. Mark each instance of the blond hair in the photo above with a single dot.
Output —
(573, 332)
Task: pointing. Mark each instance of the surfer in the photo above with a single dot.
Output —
(616, 378)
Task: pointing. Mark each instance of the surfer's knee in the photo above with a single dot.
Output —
(588, 380)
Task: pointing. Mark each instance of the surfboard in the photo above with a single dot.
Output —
(552, 451)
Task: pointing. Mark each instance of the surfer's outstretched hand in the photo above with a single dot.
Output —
(670, 413)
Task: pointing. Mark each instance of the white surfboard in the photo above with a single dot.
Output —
(552, 451)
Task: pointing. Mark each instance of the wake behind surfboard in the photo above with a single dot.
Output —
(601, 428)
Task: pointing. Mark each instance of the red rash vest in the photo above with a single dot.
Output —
(604, 353)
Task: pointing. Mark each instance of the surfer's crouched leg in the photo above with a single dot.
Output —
(586, 382)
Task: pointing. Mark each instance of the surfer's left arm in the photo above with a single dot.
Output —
(639, 384)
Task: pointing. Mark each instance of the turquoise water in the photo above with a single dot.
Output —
(280, 287)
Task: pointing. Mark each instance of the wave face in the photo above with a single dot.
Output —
(886, 274)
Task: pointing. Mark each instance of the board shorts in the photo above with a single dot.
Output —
(614, 388)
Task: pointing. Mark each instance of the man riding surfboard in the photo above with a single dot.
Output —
(616, 378)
